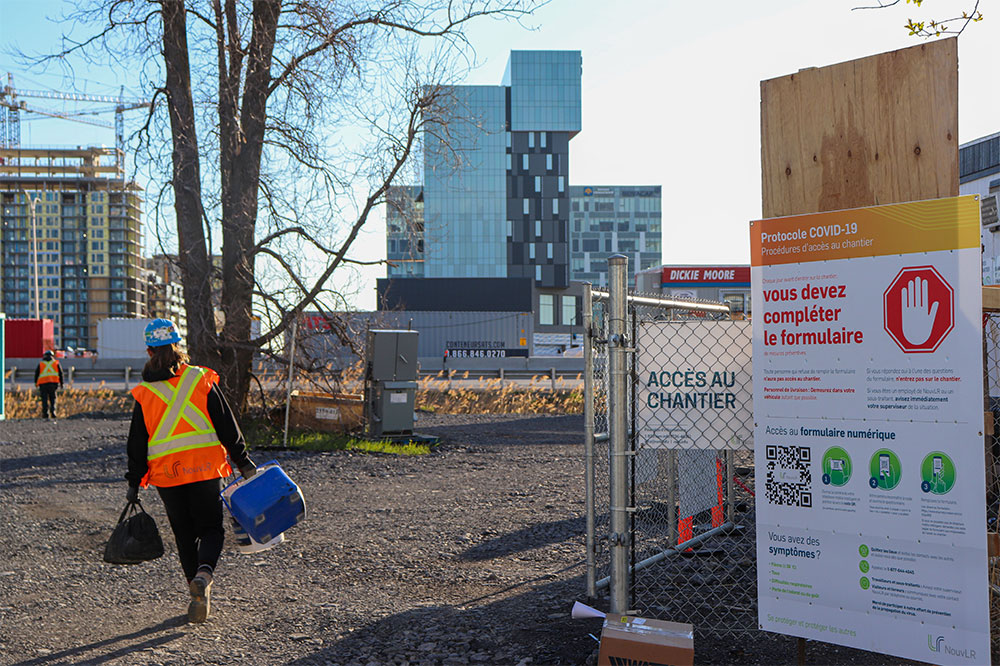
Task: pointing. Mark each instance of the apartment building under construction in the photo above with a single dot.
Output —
(76, 257)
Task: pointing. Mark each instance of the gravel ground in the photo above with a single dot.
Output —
(470, 555)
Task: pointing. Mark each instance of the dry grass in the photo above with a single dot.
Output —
(433, 394)
(24, 403)
(493, 396)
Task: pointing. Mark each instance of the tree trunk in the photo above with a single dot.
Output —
(239, 201)
(192, 252)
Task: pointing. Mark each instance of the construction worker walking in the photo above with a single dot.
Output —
(48, 378)
(181, 434)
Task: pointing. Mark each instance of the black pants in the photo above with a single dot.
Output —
(195, 514)
(48, 393)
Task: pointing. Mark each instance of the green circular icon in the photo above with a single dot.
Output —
(864, 583)
(886, 472)
(863, 550)
(937, 473)
(863, 565)
(837, 466)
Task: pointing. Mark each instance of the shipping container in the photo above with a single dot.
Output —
(461, 334)
(121, 338)
(28, 338)
(470, 334)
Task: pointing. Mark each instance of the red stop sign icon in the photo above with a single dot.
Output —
(919, 309)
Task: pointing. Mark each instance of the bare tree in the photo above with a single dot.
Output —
(288, 121)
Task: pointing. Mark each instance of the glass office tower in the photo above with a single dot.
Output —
(496, 168)
(614, 219)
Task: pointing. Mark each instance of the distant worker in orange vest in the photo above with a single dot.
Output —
(182, 430)
(48, 378)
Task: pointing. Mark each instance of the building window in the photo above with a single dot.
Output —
(510, 161)
(527, 206)
(555, 206)
(562, 184)
(510, 228)
(548, 162)
(538, 228)
(548, 250)
(546, 309)
(735, 302)
(568, 310)
(531, 250)
(524, 162)
(538, 183)
(508, 139)
(531, 139)
(538, 273)
(541, 139)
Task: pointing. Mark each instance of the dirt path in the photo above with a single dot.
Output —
(472, 554)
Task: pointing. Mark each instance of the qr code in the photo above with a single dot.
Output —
(789, 481)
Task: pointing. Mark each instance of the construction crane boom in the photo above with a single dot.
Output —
(10, 119)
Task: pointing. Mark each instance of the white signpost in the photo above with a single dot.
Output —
(868, 409)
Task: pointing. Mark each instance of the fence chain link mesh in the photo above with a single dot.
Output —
(991, 330)
(696, 489)
(714, 584)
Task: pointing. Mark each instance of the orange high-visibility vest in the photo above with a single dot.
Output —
(48, 372)
(183, 445)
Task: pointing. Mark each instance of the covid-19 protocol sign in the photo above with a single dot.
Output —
(868, 429)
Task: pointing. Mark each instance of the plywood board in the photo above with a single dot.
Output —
(882, 129)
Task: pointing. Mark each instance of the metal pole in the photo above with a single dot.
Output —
(672, 496)
(618, 430)
(672, 551)
(588, 438)
(291, 375)
(730, 485)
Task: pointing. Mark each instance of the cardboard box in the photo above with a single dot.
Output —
(635, 640)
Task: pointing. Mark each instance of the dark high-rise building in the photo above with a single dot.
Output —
(495, 199)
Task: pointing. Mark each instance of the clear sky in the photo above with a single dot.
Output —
(671, 94)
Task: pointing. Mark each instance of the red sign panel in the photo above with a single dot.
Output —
(919, 309)
(705, 275)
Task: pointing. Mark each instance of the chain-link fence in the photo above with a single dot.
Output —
(688, 549)
(683, 545)
(991, 326)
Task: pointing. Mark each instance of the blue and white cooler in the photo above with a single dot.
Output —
(264, 506)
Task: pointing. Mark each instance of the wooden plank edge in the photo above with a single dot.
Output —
(991, 298)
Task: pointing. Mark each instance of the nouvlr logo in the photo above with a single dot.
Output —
(177, 469)
(938, 645)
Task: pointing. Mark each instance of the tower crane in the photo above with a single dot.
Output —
(10, 118)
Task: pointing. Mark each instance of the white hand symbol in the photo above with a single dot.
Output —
(918, 313)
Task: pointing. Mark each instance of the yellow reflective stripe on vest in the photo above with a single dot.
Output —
(48, 370)
(179, 407)
(189, 440)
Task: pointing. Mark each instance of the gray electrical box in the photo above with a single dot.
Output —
(390, 382)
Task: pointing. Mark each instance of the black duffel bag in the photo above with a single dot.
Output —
(135, 539)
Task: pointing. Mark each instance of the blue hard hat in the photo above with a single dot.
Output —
(161, 332)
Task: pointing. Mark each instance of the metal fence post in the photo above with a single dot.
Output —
(730, 486)
(588, 438)
(618, 430)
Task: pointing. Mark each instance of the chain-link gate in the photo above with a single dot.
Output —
(682, 547)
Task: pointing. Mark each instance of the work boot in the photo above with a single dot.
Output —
(201, 595)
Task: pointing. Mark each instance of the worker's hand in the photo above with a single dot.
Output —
(248, 470)
(132, 495)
